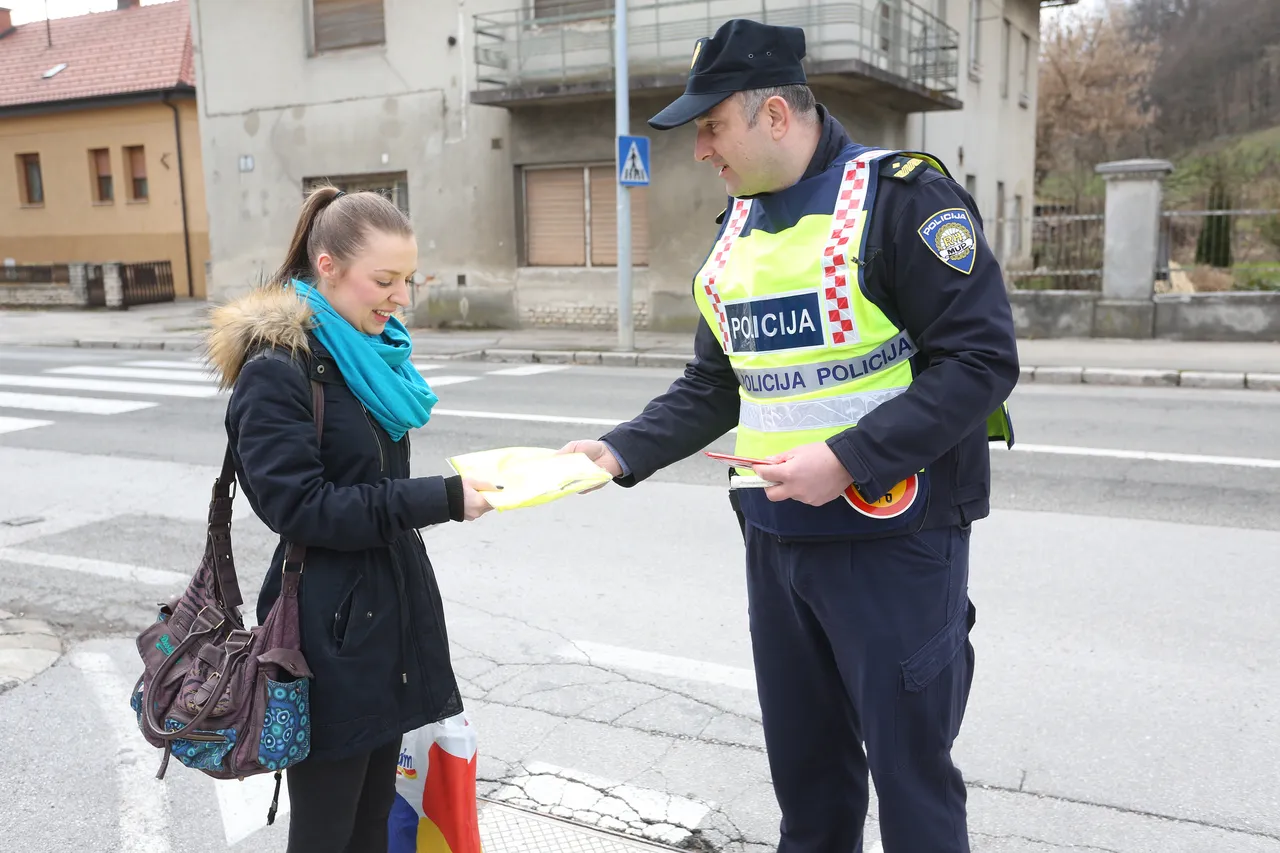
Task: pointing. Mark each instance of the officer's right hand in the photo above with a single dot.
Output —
(598, 453)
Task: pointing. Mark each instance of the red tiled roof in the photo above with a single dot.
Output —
(143, 49)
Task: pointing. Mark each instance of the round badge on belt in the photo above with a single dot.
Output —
(892, 505)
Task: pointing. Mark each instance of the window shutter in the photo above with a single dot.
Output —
(348, 23)
(604, 220)
(555, 216)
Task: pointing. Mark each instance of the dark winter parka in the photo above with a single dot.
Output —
(373, 628)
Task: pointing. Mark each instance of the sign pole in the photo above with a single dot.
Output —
(622, 118)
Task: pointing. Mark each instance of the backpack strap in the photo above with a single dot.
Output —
(220, 509)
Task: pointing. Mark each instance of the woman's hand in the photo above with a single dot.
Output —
(474, 504)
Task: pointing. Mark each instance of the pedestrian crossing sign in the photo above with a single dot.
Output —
(633, 161)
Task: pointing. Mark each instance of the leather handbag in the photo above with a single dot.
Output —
(228, 701)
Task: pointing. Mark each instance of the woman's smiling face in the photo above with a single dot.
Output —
(371, 286)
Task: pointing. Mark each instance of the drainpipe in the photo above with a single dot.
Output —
(182, 190)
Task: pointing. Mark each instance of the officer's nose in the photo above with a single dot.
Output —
(702, 149)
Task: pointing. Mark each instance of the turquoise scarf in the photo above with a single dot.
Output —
(376, 367)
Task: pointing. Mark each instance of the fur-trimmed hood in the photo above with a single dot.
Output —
(267, 316)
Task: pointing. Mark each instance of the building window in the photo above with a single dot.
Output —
(1024, 83)
(975, 38)
(135, 159)
(571, 218)
(30, 180)
(100, 170)
(571, 10)
(1017, 226)
(393, 186)
(336, 24)
(1006, 57)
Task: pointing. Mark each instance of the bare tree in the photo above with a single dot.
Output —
(1093, 103)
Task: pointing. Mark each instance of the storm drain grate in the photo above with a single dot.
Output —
(506, 829)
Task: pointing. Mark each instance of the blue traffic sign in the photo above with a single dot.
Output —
(633, 161)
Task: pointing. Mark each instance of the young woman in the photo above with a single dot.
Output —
(373, 629)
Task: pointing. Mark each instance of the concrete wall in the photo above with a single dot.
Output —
(993, 137)
(398, 107)
(71, 226)
(1187, 317)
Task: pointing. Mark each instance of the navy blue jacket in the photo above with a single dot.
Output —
(373, 627)
(966, 366)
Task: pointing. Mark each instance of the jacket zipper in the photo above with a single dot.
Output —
(382, 460)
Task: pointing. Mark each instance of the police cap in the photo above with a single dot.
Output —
(742, 55)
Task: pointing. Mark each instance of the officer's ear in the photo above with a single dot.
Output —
(777, 116)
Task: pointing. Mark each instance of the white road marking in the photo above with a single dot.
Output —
(143, 809)
(78, 405)
(169, 365)
(1148, 455)
(528, 370)
(641, 811)
(187, 375)
(513, 416)
(688, 669)
(421, 366)
(1103, 452)
(244, 805)
(60, 383)
(441, 381)
(101, 568)
(16, 424)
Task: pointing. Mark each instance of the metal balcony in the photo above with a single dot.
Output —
(888, 51)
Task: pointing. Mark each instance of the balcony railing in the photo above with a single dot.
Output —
(563, 44)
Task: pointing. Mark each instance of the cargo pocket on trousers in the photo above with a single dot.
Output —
(919, 670)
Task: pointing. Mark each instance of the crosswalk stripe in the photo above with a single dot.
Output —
(160, 389)
(15, 424)
(422, 366)
(440, 381)
(528, 370)
(101, 568)
(131, 373)
(168, 365)
(78, 405)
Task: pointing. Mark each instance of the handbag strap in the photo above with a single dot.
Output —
(220, 519)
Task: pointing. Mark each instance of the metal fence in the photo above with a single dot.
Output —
(564, 42)
(35, 274)
(1222, 239)
(146, 283)
(1066, 246)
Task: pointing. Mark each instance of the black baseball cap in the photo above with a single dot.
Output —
(742, 55)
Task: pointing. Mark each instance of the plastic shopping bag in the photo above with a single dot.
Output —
(435, 805)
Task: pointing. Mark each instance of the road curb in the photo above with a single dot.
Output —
(1048, 374)
(27, 648)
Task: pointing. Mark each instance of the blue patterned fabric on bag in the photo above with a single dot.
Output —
(286, 733)
(201, 755)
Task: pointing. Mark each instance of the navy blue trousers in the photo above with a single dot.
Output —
(859, 643)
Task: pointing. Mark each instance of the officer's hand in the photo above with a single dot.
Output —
(598, 453)
(810, 474)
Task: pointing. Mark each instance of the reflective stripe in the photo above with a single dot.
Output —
(813, 414)
(795, 379)
(846, 223)
(720, 257)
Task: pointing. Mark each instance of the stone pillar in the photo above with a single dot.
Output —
(1131, 244)
(79, 284)
(112, 287)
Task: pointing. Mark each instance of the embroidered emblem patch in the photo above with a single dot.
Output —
(949, 235)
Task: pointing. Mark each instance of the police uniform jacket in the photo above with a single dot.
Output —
(965, 367)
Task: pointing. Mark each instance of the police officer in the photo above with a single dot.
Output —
(856, 331)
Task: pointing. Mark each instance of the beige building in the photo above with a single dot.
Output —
(98, 117)
(494, 127)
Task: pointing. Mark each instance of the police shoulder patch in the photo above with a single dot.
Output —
(949, 235)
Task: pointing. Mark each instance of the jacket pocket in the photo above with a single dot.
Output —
(342, 613)
(971, 475)
(919, 670)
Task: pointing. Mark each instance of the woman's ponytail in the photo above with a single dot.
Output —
(297, 263)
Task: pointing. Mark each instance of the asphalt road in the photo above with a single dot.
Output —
(1128, 660)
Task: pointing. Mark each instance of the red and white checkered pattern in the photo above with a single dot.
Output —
(719, 257)
(835, 257)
